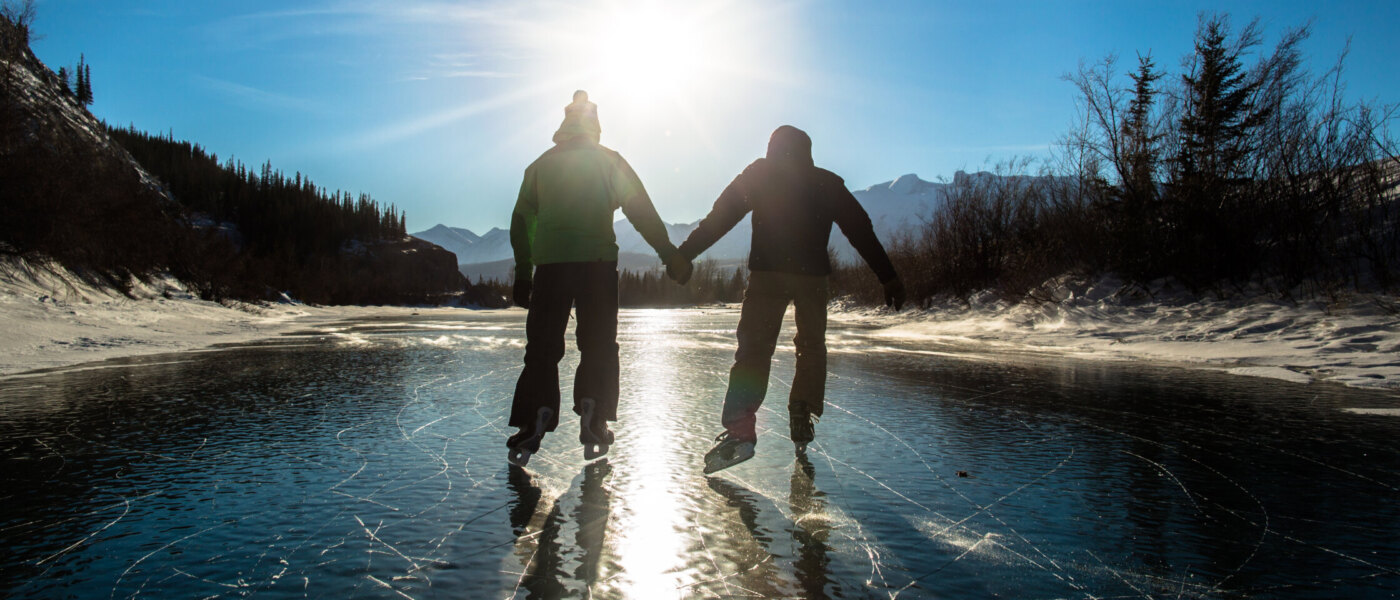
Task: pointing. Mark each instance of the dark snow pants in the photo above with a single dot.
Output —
(760, 319)
(591, 288)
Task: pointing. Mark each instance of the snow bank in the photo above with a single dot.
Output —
(1356, 343)
(51, 318)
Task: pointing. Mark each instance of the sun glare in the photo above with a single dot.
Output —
(649, 56)
(648, 62)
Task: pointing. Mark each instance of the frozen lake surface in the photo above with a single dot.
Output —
(368, 460)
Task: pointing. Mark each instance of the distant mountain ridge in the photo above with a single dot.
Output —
(468, 246)
(895, 207)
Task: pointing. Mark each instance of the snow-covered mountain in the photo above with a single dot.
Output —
(895, 207)
(452, 239)
(469, 247)
(906, 201)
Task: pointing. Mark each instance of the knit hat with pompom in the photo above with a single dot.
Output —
(580, 118)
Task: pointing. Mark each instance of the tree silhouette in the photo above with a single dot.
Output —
(1140, 139)
(83, 87)
(1219, 111)
(87, 81)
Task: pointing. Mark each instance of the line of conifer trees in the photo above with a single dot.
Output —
(262, 232)
(711, 283)
(274, 214)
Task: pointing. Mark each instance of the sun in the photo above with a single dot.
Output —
(650, 55)
(643, 59)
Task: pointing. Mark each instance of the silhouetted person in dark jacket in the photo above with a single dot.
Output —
(794, 205)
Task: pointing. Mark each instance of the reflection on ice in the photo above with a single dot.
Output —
(651, 552)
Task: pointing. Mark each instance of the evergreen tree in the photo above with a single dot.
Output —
(87, 81)
(1138, 221)
(1140, 139)
(1211, 212)
(79, 86)
(65, 82)
(1219, 111)
(83, 90)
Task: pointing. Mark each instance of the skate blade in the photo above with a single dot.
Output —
(593, 451)
(716, 464)
(518, 457)
(800, 448)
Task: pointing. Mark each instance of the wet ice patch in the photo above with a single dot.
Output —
(964, 541)
(1384, 412)
(488, 342)
(1272, 373)
(349, 339)
(444, 341)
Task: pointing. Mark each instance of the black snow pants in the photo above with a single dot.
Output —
(591, 288)
(760, 320)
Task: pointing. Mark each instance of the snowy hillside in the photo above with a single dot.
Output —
(124, 207)
(58, 121)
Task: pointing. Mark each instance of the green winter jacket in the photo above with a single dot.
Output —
(565, 209)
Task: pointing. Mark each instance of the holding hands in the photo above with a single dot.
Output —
(679, 268)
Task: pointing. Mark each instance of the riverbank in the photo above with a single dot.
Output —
(52, 319)
(1353, 341)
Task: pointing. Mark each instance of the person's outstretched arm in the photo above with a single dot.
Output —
(729, 209)
(636, 205)
(522, 237)
(855, 224)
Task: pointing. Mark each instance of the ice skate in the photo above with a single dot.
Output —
(803, 430)
(728, 452)
(527, 440)
(593, 432)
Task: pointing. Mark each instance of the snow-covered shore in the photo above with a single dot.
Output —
(49, 319)
(1355, 342)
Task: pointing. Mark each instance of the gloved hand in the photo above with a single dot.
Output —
(679, 268)
(894, 293)
(522, 292)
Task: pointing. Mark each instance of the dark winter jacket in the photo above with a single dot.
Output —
(794, 204)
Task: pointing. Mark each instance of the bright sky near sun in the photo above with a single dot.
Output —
(437, 107)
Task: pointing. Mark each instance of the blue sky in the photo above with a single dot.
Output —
(437, 107)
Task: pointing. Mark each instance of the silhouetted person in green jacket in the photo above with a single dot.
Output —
(794, 205)
(566, 257)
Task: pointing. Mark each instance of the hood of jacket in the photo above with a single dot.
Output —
(790, 146)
